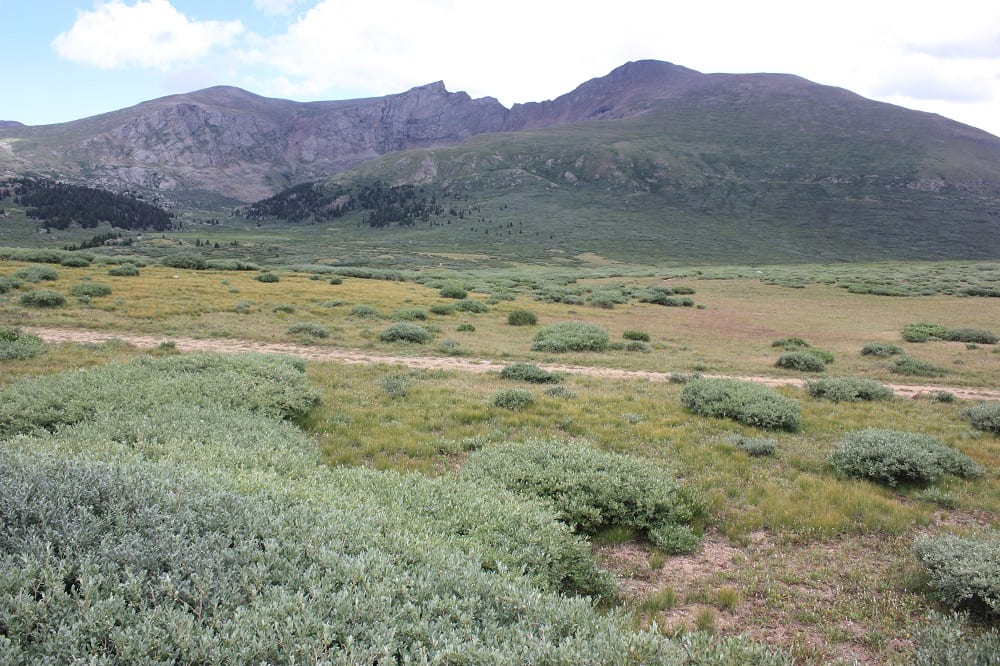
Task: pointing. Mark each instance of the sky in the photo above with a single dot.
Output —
(62, 60)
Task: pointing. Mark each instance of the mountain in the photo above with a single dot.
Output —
(651, 150)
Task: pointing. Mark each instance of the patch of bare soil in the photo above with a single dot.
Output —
(231, 346)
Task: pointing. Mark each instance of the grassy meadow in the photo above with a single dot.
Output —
(793, 555)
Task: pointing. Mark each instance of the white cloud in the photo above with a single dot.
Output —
(150, 33)
(275, 6)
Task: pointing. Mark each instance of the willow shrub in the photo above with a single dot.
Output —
(848, 389)
(892, 457)
(804, 361)
(17, 345)
(570, 336)
(592, 490)
(963, 571)
(752, 404)
(405, 332)
(528, 372)
(985, 416)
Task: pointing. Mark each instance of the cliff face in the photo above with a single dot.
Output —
(227, 142)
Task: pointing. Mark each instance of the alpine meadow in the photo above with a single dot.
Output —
(676, 368)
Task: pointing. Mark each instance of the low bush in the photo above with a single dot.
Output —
(922, 332)
(571, 336)
(592, 490)
(284, 308)
(513, 399)
(971, 335)
(36, 273)
(527, 372)
(91, 289)
(405, 332)
(881, 349)
(522, 318)
(409, 314)
(607, 298)
(309, 329)
(985, 416)
(963, 571)
(638, 336)
(266, 277)
(185, 260)
(471, 305)
(907, 365)
(124, 270)
(453, 291)
(755, 446)
(16, 345)
(465, 327)
(336, 279)
(365, 312)
(802, 361)
(75, 262)
(639, 346)
(745, 402)
(892, 457)
(8, 284)
(559, 391)
(791, 344)
(230, 265)
(443, 309)
(43, 298)
(942, 641)
(848, 389)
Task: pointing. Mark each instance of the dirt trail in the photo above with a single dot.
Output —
(230, 346)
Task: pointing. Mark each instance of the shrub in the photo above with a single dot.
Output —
(409, 314)
(942, 641)
(36, 273)
(470, 305)
(526, 372)
(265, 276)
(745, 402)
(681, 290)
(43, 298)
(906, 365)
(984, 416)
(16, 345)
(892, 457)
(286, 308)
(336, 279)
(522, 318)
(230, 265)
(397, 386)
(124, 270)
(971, 335)
(639, 336)
(465, 327)
(964, 571)
(922, 332)
(365, 312)
(185, 260)
(592, 490)
(755, 446)
(791, 344)
(559, 391)
(443, 309)
(453, 291)
(848, 389)
(75, 262)
(405, 332)
(91, 289)
(8, 284)
(514, 399)
(880, 349)
(607, 298)
(571, 336)
(802, 361)
(309, 329)
(639, 346)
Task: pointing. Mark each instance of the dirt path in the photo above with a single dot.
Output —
(231, 346)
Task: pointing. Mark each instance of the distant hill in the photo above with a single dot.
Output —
(650, 153)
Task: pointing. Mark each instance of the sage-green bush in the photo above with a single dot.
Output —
(309, 329)
(638, 336)
(471, 305)
(881, 349)
(943, 641)
(803, 361)
(907, 365)
(187, 260)
(571, 336)
(514, 399)
(963, 571)
(8, 284)
(405, 332)
(36, 273)
(453, 291)
(17, 345)
(409, 314)
(43, 298)
(755, 447)
(364, 311)
(522, 318)
(971, 335)
(528, 372)
(745, 402)
(848, 389)
(90, 289)
(985, 416)
(266, 276)
(124, 270)
(75, 261)
(892, 457)
(593, 490)
(923, 331)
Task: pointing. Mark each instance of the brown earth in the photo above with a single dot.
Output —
(231, 346)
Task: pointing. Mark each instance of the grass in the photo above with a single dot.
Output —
(798, 529)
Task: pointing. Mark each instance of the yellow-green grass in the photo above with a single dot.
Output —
(731, 334)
